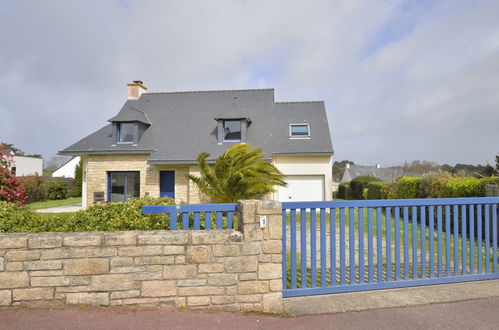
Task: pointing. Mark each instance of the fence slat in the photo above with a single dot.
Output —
(423, 242)
(370, 260)
(397, 243)
(284, 254)
(323, 245)
(463, 240)
(230, 220)
(431, 226)
(207, 220)
(361, 244)
(342, 246)
(487, 239)
(303, 247)
(351, 245)
(388, 228)
(332, 245)
(406, 243)
(414, 242)
(472, 238)
(293, 248)
(456, 240)
(197, 221)
(313, 247)
(219, 217)
(494, 236)
(447, 240)
(379, 245)
(479, 237)
(439, 239)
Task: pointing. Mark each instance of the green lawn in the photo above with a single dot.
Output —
(53, 203)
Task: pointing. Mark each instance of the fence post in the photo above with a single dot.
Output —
(265, 242)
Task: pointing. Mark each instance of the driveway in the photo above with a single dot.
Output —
(61, 209)
(475, 314)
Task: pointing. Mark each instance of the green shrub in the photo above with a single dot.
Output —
(486, 181)
(100, 217)
(344, 191)
(407, 187)
(120, 216)
(433, 184)
(35, 188)
(463, 187)
(358, 185)
(379, 190)
(76, 191)
(57, 189)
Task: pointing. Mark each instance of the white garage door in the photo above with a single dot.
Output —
(302, 188)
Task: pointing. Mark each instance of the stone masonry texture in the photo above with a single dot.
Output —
(218, 269)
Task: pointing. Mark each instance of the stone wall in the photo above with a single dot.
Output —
(221, 269)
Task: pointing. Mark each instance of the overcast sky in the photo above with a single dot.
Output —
(401, 80)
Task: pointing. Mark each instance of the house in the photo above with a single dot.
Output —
(25, 165)
(389, 174)
(152, 143)
(67, 170)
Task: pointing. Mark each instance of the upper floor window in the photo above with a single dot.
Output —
(299, 130)
(126, 132)
(232, 130)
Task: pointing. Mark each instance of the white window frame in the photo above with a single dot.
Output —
(291, 136)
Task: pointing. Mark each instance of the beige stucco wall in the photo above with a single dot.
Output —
(96, 167)
(307, 165)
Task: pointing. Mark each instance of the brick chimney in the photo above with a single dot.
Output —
(136, 89)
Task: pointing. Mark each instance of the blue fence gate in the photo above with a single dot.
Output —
(346, 246)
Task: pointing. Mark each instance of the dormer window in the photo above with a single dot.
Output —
(126, 132)
(299, 131)
(232, 130)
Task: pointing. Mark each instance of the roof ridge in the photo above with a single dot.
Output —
(298, 102)
(136, 109)
(214, 91)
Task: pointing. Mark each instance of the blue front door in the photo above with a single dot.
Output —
(167, 184)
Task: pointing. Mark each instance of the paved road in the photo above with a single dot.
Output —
(476, 314)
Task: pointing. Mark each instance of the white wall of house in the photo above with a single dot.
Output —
(309, 177)
(28, 165)
(67, 170)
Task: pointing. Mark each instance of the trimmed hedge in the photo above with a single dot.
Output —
(358, 186)
(433, 184)
(100, 217)
(379, 190)
(463, 187)
(407, 187)
(343, 191)
(57, 189)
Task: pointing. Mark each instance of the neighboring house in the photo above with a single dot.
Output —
(68, 169)
(389, 174)
(25, 165)
(152, 143)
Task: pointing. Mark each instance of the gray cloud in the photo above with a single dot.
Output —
(401, 80)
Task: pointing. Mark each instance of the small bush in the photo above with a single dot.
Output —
(484, 182)
(120, 216)
(15, 219)
(433, 184)
(379, 190)
(76, 191)
(463, 187)
(407, 187)
(35, 188)
(343, 191)
(57, 189)
(358, 185)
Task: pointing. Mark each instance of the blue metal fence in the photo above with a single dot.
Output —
(196, 216)
(378, 244)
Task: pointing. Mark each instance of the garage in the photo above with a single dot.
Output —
(302, 188)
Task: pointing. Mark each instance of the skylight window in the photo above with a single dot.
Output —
(299, 130)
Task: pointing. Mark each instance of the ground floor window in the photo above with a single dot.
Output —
(123, 186)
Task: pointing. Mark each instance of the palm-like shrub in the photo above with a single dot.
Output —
(240, 173)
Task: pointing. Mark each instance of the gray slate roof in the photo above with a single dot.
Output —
(183, 124)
